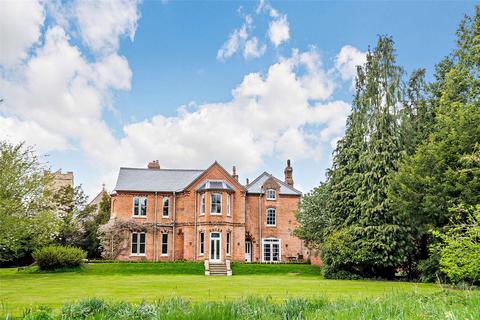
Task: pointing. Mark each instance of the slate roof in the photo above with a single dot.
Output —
(169, 180)
(151, 180)
(215, 185)
(256, 185)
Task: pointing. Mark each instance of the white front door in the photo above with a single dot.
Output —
(248, 251)
(215, 241)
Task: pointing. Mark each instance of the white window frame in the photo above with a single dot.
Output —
(140, 201)
(138, 254)
(164, 243)
(270, 192)
(165, 199)
(202, 204)
(228, 247)
(275, 217)
(202, 243)
(211, 204)
(271, 241)
(229, 204)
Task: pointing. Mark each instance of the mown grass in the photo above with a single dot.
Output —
(443, 305)
(137, 282)
(256, 268)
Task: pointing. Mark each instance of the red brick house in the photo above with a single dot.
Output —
(206, 215)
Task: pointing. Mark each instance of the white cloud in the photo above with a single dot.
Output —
(279, 30)
(347, 60)
(20, 23)
(235, 41)
(57, 97)
(264, 6)
(243, 40)
(102, 23)
(17, 131)
(266, 116)
(253, 49)
(55, 100)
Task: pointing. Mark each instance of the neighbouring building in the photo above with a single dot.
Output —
(98, 198)
(61, 180)
(179, 214)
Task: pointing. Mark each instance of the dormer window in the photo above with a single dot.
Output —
(271, 194)
(165, 207)
(216, 203)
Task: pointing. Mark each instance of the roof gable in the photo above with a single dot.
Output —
(228, 177)
(256, 185)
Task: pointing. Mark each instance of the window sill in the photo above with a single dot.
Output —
(138, 255)
(164, 255)
(215, 214)
(271, 199)
(271, 225)
(165, 217)
(141, 217)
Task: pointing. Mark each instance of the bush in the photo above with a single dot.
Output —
(58, 257)
(459, 250)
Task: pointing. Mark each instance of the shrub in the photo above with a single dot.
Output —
(459, 249)
(58, 257)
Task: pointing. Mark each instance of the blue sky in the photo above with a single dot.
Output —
(95, 86)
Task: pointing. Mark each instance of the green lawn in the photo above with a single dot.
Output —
(135, 282)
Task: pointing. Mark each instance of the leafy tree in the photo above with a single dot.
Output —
(313, 216)
(459, 249)
(442, 173)
(91, 240)
(72, 211)
(25, 219)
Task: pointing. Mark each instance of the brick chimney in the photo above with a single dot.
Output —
(288, 174)
(234, 174)
(154, 165)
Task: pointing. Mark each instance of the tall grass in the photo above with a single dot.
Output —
(442, 305)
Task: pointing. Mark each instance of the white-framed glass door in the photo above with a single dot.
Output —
(271, 250)
(248, 251)
(215, 247)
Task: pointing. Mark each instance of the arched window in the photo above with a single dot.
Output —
(166, 202)
(271, 217)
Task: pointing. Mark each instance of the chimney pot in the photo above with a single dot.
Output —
(288, 174)
(235, 175)
(153, 165)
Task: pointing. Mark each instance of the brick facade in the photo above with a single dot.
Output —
(245, 221)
